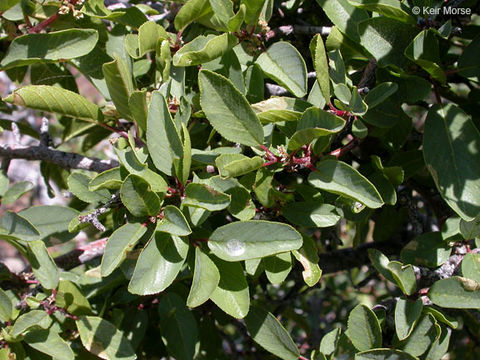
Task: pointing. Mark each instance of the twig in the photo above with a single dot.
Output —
(44, 135)
(44, 23)
(63, 159)
(93, 216)
(81, 255)
(338, 153)
(277, 90)
(298, 30)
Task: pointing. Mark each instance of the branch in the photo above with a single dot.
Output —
(81, 255)
(298, 30)
(61, 158)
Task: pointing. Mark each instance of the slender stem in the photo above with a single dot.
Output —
(37, 28)
(338, 153)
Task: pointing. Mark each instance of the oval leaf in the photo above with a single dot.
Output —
(456, 293)
(363, 328)
(205, 279)
(138, 198)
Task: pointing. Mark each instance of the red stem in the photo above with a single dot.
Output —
(338, 153)
(44, 23)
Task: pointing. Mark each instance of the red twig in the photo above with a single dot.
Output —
(44, 23)
(338, 153)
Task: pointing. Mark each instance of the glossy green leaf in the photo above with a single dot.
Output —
(16, 191)
(386, 39)
(241, 204)
(14, 226)
(71, 298)
(252, 239)
(356, 104)
(315, 123)
(284, 64)
(179, 327)
(174, 222)
(228, 110)
(42, 264)
(339, 178)
(440, 345)
(422, 337)
(379, 93)
(78, 185)
(158, 264)
(7, 4)
(470, 229)
(424, 51)
(6, 307)
(380, 262)
(103, 339)
(311, 214)
(441, 317)
(235, 22)
(253, 9)
(320, 63)
(163, 139)
(277, 267)
(269, 333)
(233, 165)
(110, 179)
(138, 198)
(52, 46)
(205, 279)
(363, 328)
(456, 293)
(471, 266)
(428, 249)
(231, 294)
(204, 49)
(329, 342)
(307, 255)
(97, 8)
(50, 343)
(29, 320)
(139, 109)
(344, 16)
(384, 354)
(120, 85)
(404, 277)
(222, 12)
(148, 35)
(56, 100)
(182, 168)
(390, 8)
(119, 244)
(450, 148)
(263, 186)
(191, 11)
(204, 196)
(468, 65)
(407, 313)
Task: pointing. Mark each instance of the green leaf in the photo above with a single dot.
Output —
(428, 249)
(110, 179)
(120, 85)
(471, 266)
(119, 244)
(320, 63)
(379, 93)
(424, 51)
(222, 12)
(231, 294)
(456, 293)
(78, 185)
(380, 262)
(16, 191)
(50, 343)
(284, 64)
(267, 331)
(71, 298)
(441, 317)
(344, 16)
(393, 9)
(404, 277)
(356, 105)
(174, 222)
(278, 109)
(97, 8)
(183, 167)
(179, 327)
(440, 345)
(228, 110)
(6, 307)
(253, 9)
(263, 186)
(386, 39)
(407, 313)
(384, 354)
(277, 267)
(329, 342)
(363, 328)
(191, 11)
(241, 204)
(307, 255)
(103, 339)
(234, 165)
(42, 264)
(29, 320)
(205, 197)
(468, 65)
(16, 227)
(311, 214)
(56, 100)
(158, 264)
(253, 239)
(148, 36)
(138, 198)
(315, 123)
(450, 148)
(52, 46)
(423, 335)
(204, 49)
(7, 4)
(163, 140)
(205, 279)
(339, 178)
(138, 107)
(470, 229)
